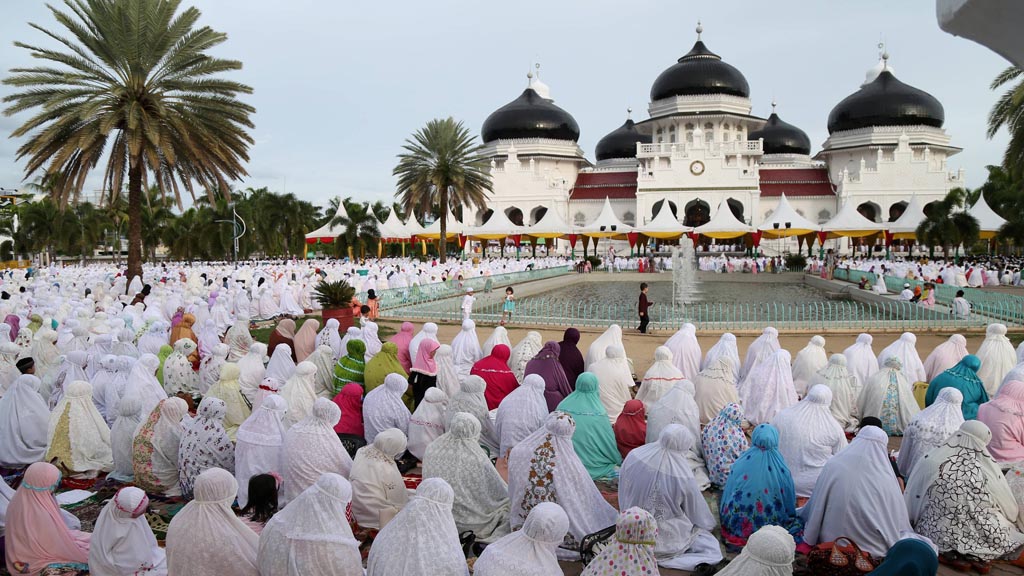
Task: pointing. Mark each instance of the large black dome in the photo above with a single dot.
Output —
(530, 116)
(701, 71)
(621, 142)
(885, 101)
(781, 137)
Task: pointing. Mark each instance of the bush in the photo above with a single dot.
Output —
(796, 261)
(337, 294)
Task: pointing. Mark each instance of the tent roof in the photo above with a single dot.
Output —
(724, 224)
(392, 229)
(988, 221)
(327, 231)
(606, 225)
(413, 226)
(850, 222)
(454, 228)
(498, 226)
(776, 225)
(664, 225)
(905, 227)
(551, 225)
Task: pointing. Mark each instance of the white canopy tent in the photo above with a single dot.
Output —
(392, 229)
(413, 227)
(498, 226)
(606, 225)
(453, 228)
(664, 226)
(723, 225)
(988, 221)
(551, 225)
(785, 222)
(328, 233)
(851, 223)
(905, 227)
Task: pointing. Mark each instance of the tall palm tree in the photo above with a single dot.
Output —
(442, 167)
(359, 228)
(136, 79)
(1008, 112)
(947, 223)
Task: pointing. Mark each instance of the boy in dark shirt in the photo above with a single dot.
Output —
(642, 308)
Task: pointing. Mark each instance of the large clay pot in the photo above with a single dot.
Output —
(344, 316)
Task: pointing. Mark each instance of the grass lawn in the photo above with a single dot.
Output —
(262, 332)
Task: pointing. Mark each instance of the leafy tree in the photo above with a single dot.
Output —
(947, 223)
(135, 84)
(1008, 112)
(441, 167)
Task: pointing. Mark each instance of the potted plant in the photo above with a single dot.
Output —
(335, 298)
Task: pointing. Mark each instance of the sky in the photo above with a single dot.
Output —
(339, 86)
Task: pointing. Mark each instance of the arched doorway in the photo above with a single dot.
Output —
(897, 210)
(737, 208)
(930, 207)
(659, 204)
(869, 210)
(515, 215)
(483, 216)
(697, 212)
(537, 213)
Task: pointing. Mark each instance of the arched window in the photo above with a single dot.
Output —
(709, 132)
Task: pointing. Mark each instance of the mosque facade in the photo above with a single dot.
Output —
(701, 150)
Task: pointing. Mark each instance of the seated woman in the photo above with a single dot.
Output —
(659, 378)
(427, 423)
(631, 427)
(768, 388)
(481, 496)
(35, 532)
(378, 491)
(205, 538)
(1003, 416)
(312, 537)
(887, 395)
(657, 478)
(76, 417)
(959, 498)
(284, 333)
(521, 413)
(964, 377)
(844, 387)
(544, 467)
(352, 366)
(930, 429)
(155, 448)
(312, 448)
(808, 437)
(529, 551)
(500, 381)
(424, 373)
(677, 406)
(383, 408)
(769, 552)
(909, 557)
(204, 445)
(383, 363)
(122, 541)
(857, 496)
(236, 409)
(723, 442)
(615, 380)
(759, 491)
(24, 418)
(632, 550)
(594, 439)
(547, 365)
(715, 387)
(261, 501)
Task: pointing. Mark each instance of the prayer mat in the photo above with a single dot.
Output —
(412, 480)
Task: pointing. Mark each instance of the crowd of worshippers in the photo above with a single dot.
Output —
(295, 459)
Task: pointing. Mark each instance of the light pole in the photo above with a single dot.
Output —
(238, 228)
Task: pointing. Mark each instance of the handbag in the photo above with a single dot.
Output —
(837, 559)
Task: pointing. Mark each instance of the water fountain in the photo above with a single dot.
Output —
(685, 286)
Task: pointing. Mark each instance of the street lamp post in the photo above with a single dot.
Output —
(238, 227)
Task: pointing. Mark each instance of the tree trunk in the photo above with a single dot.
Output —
(134, 220)
(442, 244)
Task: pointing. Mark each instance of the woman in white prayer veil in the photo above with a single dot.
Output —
(660, 377)
(657, 478)
(677, 406)
(155, 448)
(498, 336)
(887, 395)
(24, 420)
(122, 434)
(372, 341)
(771, 389)
(615, 381)
(209, 367)
(122, 541)
(78, 437)
(259, 446)
(427, 423)
(959, 498)
(281, 366)
(377, 487)
(529, 551)
(945, 356)
(843, 385)
(383, 407)
(204, 444)
(323, 381)
(481, 496)
(930, 429)
(997, 357)
(208, 338)
(429, 331)
(861, 360)
(311, 448)
(352, 332)
(330, 337)
(470, 399)
(769, 552)
(447, 376)
(422, 538)
(905, 348)
(763, 347)
(715, 387)
(178, 373)
(252, 370)
(206, 538)
(312, 537)
(299, 393)
(685, 348)
(238, 338)
(466, 349)
(154, 338)
(807, 363)
(521, 413)
(726, 346)
(524, 351)
(808, 437)
(599, 347)
(544, 467)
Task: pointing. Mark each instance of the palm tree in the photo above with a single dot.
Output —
(947, 223)
(442, 167)
(136, 79)
(360, 228)
(1008, 111)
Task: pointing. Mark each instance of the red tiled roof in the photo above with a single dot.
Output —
(796, 182)
(599, 185)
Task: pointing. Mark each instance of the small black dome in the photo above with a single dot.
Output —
(621, 142)
(530, 116)
(701, 71)
(885, 101)
(781, 137)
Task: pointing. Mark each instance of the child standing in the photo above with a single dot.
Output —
(467, 304)
(643, 307)
(373, 303)
(509, 307)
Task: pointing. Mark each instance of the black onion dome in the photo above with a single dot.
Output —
(781, 137)
(885, 101)
(530, 116)
(701, 71)
(621, 142)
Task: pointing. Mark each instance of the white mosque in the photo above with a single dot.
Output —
(700, 148)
